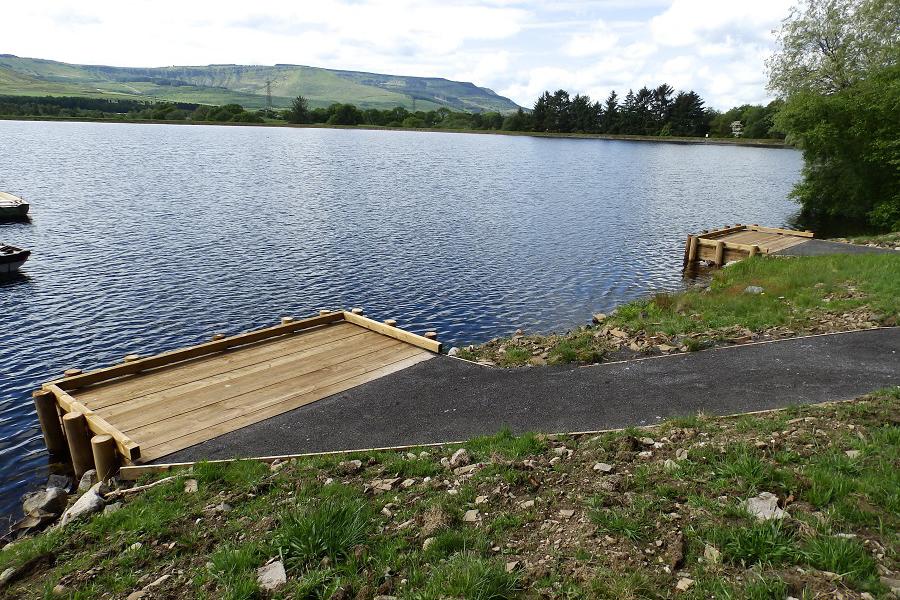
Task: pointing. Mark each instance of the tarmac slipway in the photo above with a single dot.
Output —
(445, 399)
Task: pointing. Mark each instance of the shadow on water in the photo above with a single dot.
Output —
(11, 279)
(26, 220)
(698, 275)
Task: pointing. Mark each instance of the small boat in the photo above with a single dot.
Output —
(12, 207)
(11, 258)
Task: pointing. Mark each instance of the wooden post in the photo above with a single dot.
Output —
(79, 443)
(390, 322)
(357, 311)
(692, 249)
(131, 358)
(45, 403)
(431, 335)
(71, 372)
(218, 336)
(720, 254)
(324, 311)
(286, 320)
(106, 458)
(754, 250)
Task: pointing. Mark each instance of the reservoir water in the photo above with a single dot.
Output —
(150, 237)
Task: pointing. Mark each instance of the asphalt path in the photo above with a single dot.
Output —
(445, 399)
(824, 247)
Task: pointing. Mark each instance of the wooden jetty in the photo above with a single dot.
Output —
(147, 407)
(737, 242)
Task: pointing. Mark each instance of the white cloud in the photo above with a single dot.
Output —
(517, 47)
(599, 39)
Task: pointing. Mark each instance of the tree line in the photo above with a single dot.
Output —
(104, 108)
(657, 112)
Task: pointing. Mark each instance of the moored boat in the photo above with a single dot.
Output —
(11, 258)
(12, 207)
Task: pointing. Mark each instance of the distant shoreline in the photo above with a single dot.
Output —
(751, 143)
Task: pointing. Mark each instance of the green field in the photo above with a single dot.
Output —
(243, 84)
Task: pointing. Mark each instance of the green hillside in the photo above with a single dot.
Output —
(243, 84)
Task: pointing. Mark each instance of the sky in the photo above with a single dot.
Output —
(517, 48)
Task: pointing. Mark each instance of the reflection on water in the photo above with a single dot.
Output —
(149, 237)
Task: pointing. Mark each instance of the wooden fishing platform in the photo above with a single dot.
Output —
(146, 408)
(737, 242)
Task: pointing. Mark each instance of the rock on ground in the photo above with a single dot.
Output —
(52, 500)
(460, 458)
(89, 503)
(271, 576)
(764, 507)
(87, 480)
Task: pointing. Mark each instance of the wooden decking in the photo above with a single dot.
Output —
(157, 405)
(730, 243)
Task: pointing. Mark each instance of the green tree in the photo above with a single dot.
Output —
(611, 120)
(851, 149)
(344, 114)
(298, 112)
(836, 68)
(827, 45)
(518, 121)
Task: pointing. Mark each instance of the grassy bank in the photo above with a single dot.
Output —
(760, 143)
(885, 240)
(799, 296)
(651, 513)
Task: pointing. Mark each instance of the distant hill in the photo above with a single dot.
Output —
(244, 84)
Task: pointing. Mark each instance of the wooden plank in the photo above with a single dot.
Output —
(785, 243)
(805, 234)
(394, 332)
(167, 358)
(172, 403)
(250, 401)
(192, 393)
(717, 233)
(126, 446)
(728, 245)
(284, 405)
(746, 237)
(103, 395)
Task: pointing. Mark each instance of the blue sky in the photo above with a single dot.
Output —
(518, 49)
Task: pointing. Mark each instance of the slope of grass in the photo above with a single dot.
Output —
(546, 524)
(243, 84)
(815, 294)
(796, 290)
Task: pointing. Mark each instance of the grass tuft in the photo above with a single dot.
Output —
(507, 445)
(470, 577)
(846, 557)
(328, 528)
(767, 543)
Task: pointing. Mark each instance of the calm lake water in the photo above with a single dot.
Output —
(150, 237)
